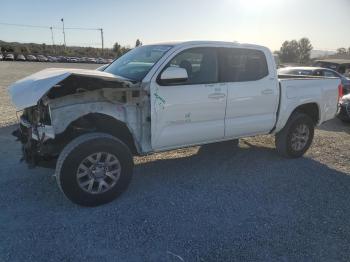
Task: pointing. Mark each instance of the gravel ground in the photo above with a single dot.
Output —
(211, 203)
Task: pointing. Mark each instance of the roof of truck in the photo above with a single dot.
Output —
(209, 42)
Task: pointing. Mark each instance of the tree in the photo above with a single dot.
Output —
(289, 51)
(25, 50)
(305, 48)
(124, 50)
(117, 48)
(349, 51)
(138, 43)
(295, 51)
(341, 51)
(7, 48)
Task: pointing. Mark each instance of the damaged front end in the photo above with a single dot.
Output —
(34, 131)
(55, 102)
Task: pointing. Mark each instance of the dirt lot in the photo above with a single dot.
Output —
(209, 203)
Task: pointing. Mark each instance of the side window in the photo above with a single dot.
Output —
(238, 65)
(200, 63)
(329, 74)
(319, 73)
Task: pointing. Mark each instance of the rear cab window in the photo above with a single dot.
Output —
(241, 64)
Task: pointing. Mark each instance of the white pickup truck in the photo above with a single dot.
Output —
(161, 97)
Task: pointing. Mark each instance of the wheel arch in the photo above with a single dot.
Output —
(311, 109)
(103, 123)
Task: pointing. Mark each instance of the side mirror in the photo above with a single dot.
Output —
(173, 75)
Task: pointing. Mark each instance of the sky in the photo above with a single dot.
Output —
(267, 22)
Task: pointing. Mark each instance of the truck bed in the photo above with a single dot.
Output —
(298, 90)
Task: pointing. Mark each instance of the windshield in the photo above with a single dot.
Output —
(135, 64)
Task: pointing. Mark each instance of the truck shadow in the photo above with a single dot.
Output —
(221, 202)
(335, 125)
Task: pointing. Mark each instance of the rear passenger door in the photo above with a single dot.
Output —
(252, 92)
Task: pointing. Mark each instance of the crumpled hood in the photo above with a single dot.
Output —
(29, 90)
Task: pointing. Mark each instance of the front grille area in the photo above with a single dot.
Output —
(37, 114)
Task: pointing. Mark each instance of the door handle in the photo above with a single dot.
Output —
(217, 96)
(267, 92)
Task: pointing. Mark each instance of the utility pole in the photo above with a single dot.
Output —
(101, 29)
(64, 34)
(53, 41)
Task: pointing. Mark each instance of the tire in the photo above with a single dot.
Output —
(73, 170)
(286, 142)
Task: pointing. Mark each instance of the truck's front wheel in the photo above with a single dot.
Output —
(94, 169)
(296, 137)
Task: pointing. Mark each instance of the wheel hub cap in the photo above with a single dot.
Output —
(300, 137)
(98, 172)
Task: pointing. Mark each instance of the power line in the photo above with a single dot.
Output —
(23, 25)
(79, 28)
(49, 27)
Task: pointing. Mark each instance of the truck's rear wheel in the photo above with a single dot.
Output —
(296, 137)
(94, 169)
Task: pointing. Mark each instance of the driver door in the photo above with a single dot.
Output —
(193, 111)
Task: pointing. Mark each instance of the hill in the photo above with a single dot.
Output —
(57, 50)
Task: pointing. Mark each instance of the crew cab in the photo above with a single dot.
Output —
(162, 97)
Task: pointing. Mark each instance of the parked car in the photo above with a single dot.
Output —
(73, 60)
(317, 71)
(344, 109)
(91, 60)
(100, 60)
(31, 58)
(94, 122)
(9, 57)
(42, 58)
(20, 57)
(84, 59)
(1, 57)
(52, 59)
(62, 59)
(342, 66)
